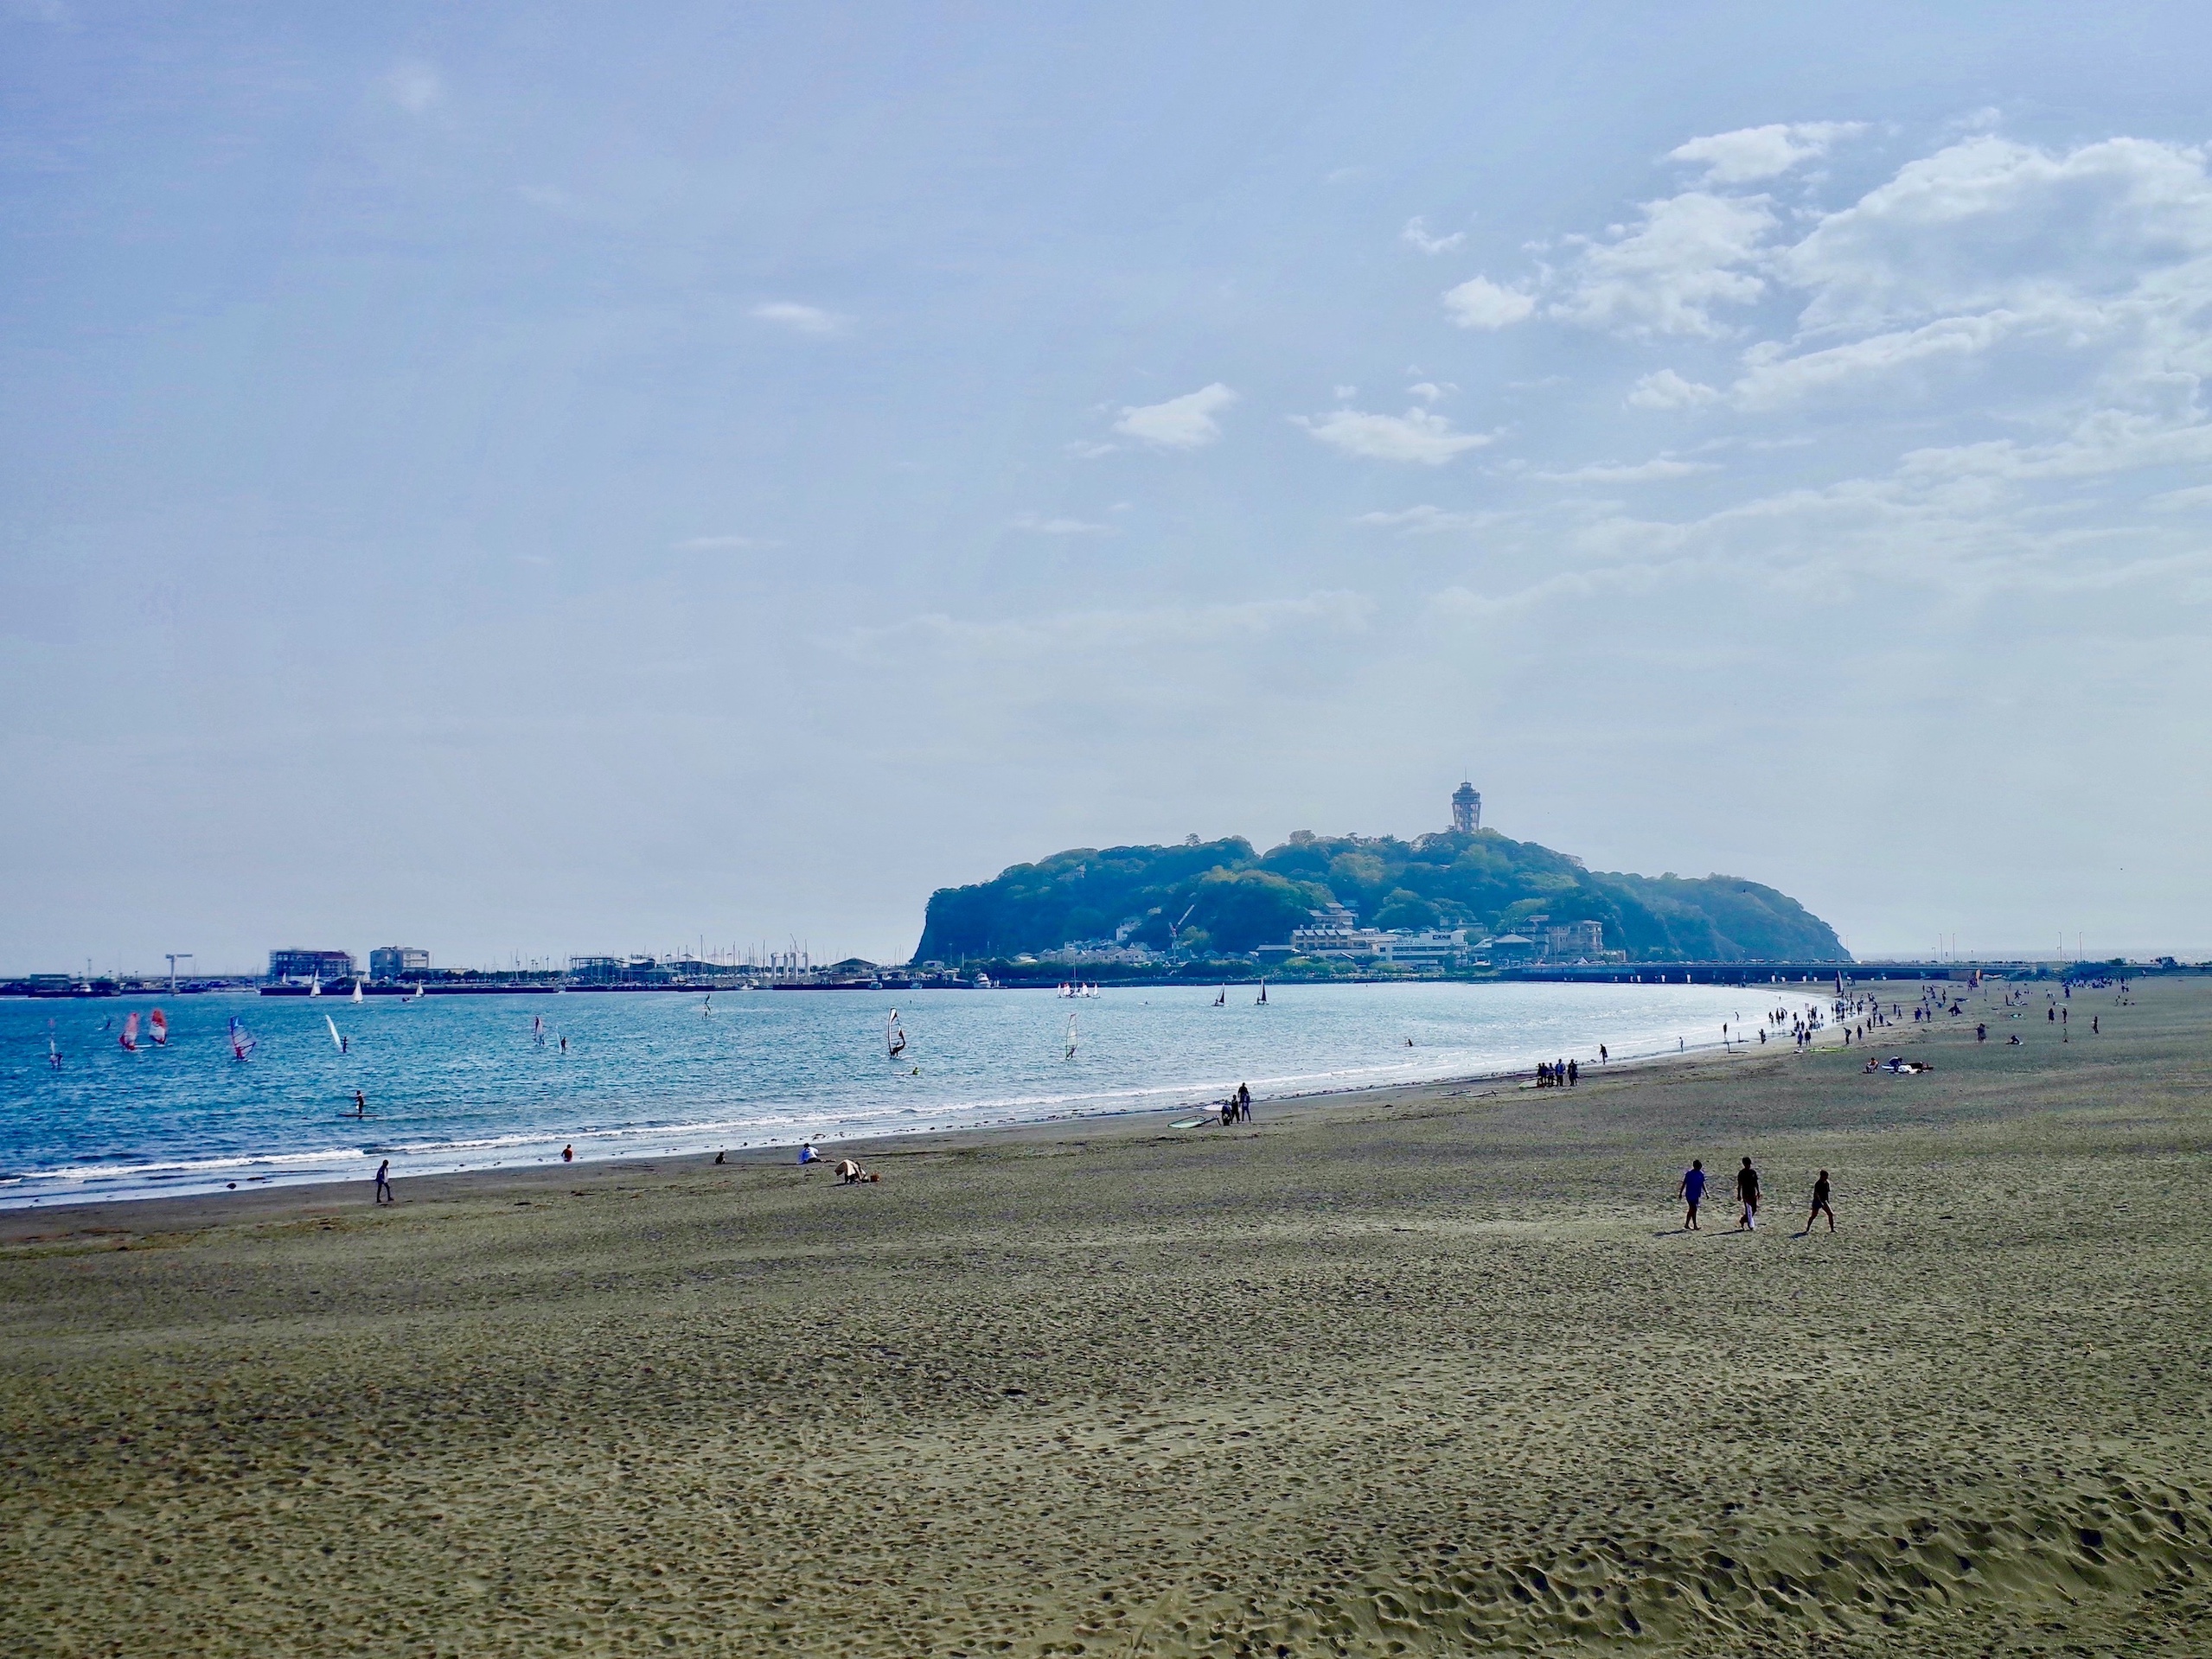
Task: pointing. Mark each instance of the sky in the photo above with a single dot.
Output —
(524, 481)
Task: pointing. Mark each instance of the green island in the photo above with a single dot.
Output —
(1456, 899)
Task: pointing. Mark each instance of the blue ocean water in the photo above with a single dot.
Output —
(463, 1083)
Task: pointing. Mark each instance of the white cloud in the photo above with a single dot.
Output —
(1988, 223)
(1416, 234)
(1084, 449)
(1111, 635)
(414, 86)
(1688, 256)
(2195, 497)
(800, 319)
(1667, 390)
(1184, 423)
(1427, 520)
(1429, 392)
(1343, 394)
(1642, 472)
(720, 544)
(1053, 527)
(1478, 302)
(1416, 435)
(1766, 152)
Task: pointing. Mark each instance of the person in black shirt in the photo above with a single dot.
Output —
(1820, 1204)
(1747, 1193)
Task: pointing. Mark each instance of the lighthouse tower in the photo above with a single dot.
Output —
(1466, 809)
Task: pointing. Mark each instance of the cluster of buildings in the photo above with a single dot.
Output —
(1333, 933)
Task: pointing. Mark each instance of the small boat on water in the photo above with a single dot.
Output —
(1262, 996)
(1222, 1001)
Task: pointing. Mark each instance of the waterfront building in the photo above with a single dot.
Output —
(1435, 947)
(301, 966)
(1466, 809)
(1510, 948)
(1334, 931)
(388, 963)
(1583, 940)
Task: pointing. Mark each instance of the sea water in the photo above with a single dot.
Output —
(473, 1082)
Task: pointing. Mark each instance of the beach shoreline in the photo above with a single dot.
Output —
(241, 1172)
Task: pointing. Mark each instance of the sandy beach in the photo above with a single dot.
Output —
(1420, 1371)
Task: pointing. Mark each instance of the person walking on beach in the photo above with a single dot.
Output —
(383, 1184)
(1820, 1205)
(1747, 1193)
(1692, 1192)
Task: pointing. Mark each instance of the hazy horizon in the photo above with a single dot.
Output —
(536, 481)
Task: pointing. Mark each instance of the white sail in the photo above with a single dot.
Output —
(356, 989)
(894, 1036)
(337, 1042)
(1071, 1037)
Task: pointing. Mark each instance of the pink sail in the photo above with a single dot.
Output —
(157, 1024)
(129, 1038)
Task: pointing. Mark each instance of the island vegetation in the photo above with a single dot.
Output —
(1209, 898)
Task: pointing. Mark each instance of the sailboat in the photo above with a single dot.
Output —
(1262, 996)
(356, 987)
(315, 985)
(242, 1042)
(1222, 1001)
(129, 1038)
(894, 1036)
(418, 997)
(337, 1042)
(158, 1022)
(1071, 1037)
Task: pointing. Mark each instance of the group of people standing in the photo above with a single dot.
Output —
(1692, 1194)
(1237, 1108)
(1557, 1074)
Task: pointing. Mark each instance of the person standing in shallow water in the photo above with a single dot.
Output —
(1692, 1192)
(1747, 1193)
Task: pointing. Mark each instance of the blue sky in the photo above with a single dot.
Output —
(566, 479)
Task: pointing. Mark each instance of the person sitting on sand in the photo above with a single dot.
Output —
(568, 1154)
(1747, 1193)
(1692, 1192)
(1820, 1205)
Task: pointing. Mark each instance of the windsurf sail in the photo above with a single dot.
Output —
(538, 1028)
(337, 1042)
(1071, 1037)
(129, 1038)
(158, 1024)
(894, 1036)
(242, 1041)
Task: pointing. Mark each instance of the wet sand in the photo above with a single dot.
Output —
(1427, 1370)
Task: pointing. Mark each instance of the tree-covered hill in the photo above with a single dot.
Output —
(1224, 896)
